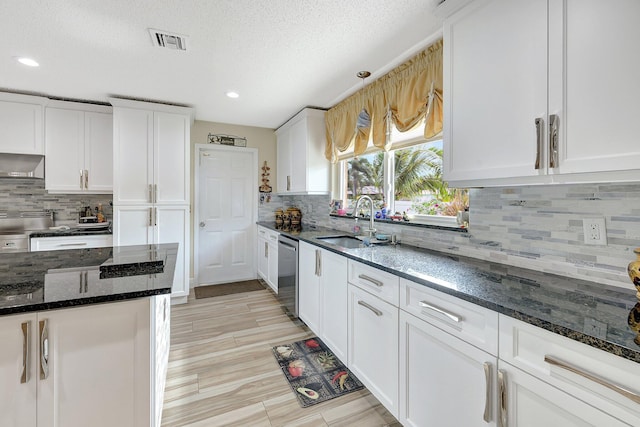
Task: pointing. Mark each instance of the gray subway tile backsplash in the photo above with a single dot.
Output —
(536, 227)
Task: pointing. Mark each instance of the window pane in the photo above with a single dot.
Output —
(364, 176)
(418, 185)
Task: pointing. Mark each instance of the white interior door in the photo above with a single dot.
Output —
(226, 207)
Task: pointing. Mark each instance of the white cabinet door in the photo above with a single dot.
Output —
(495, 86)
(173, 227)
(373, 345)
(309, 286)
(440, 375)
(298, 152)
(79, 150)
(171, 158)
(21, 127)
(132, 156)
(595, 136)
(18, 370)
(283, 161)
(531, 402)
(98, 366)
(272, 267)
(263, 258)
(334, 302)
(98, 152)
(64, 135)
(132, 225)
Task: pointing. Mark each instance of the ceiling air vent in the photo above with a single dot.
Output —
(168, 40)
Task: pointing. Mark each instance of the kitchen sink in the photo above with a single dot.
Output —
(348, 242)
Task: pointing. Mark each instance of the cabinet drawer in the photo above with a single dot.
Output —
(267, 234)
(70, 242)
(469, 322)
(588, 373)
(380, 283)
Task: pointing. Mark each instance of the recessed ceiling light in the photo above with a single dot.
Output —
(27, 61)
(232, 94)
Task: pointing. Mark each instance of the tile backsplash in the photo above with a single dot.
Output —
(536, 227)
(23, 194)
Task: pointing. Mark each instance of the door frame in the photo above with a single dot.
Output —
(199, 148)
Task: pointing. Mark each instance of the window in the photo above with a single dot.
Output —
(405, 182)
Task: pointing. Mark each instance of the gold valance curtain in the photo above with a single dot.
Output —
(404, 96)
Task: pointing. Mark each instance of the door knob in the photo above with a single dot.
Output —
(202, 224)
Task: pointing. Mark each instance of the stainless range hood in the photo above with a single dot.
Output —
(21, 165)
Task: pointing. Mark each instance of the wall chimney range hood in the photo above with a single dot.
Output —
(21, 165)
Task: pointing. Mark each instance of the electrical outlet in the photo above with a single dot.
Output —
(595, 231)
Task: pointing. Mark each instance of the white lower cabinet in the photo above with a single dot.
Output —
(531, 402)
(443, 380)
(142, 225)
(607, 384)
(373, 345)
(322, 296)
(18, 376)
(85, 366)
(268, 256)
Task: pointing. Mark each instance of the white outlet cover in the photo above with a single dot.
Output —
(600, 236)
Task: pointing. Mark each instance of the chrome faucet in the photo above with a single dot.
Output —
(371, 230)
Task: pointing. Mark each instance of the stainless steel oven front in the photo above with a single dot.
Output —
(288, 274)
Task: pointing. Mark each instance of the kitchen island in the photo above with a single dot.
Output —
(85, 335)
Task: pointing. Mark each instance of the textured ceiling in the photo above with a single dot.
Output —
(279, 55)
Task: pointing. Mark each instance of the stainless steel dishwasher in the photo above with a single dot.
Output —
(288, 274)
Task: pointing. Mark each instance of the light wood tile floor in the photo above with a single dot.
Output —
(222, 371)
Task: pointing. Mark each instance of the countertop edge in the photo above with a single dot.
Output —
(46, 306)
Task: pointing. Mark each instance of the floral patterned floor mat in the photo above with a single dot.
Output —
(314, 373)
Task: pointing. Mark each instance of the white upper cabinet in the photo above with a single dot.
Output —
(79, 148)
(302, 167)
(539, 92)
(21, 119)
(151, 154)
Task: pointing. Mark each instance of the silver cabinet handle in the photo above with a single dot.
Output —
(502, 395)
(318, 263)
(80, 281)
(150, 194)
(487, 397)
(86, 179)
(72, 244)
(539, 143)
(437, 309)
(378, 283)
(553, 140)
(44, 349)
(266, 250)
(26, 356)
(81, 178)
(375, 310)
(155, 216)
(86, 282)
(202, 224)
(288, 183)
(155, 193)
(595, 378)
(150, 217)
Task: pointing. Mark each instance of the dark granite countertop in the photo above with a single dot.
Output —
(566, 306)
(36, 281)
(70, 232)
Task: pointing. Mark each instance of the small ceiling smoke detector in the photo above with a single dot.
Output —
(169, 40)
